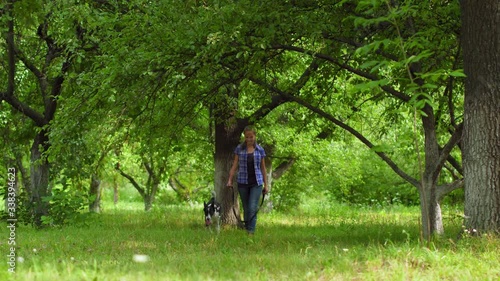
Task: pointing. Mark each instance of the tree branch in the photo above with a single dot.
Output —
(449, 89)
(302, 81)
(282, 168)
(454, 139)
(455, 164)
(31, 66)
(25, 109)
(355, 133)
(50, 102)
(369, 76)
(177, 186)
(357, 45)
(277, 100)
(131, 180)
(151, 171)
(9, 96)
(442, 190)
(9, 8)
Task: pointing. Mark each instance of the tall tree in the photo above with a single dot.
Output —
(150, 188)
(46, 69)
(45, 44)
(481, 147)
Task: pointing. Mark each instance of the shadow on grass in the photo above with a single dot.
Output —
(356, 228)
(178, 244)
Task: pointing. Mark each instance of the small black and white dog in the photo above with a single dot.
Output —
(212, 211)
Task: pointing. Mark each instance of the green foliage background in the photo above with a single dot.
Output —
(146, 76)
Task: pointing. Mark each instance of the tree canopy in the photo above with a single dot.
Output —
(352, 87)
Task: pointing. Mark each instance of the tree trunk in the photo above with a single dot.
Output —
(228, 129)
(152, 194)
(95, 192)
(25, 176)
(116, 195)
(226, 140)
(39, 177)
(432, 220)
(481, 141)
(148, 202)
(149, 192)
(267, 206)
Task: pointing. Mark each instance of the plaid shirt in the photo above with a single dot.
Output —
(258, 155)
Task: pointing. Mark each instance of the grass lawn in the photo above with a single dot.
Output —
(322, 243)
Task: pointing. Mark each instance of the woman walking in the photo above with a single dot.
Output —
(252, 177)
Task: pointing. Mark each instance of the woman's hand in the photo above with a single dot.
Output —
(265, 190)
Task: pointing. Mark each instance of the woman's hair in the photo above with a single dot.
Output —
(248, 128)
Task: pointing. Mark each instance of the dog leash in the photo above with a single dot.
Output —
(237, 217)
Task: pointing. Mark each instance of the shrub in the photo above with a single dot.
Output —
(67, 206)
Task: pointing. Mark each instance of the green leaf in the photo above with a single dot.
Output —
(458, 73)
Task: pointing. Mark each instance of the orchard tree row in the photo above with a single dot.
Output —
(158, 93)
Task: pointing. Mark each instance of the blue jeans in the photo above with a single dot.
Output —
(250, 199)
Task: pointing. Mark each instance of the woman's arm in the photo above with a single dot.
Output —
(233, 170)
(264, 176)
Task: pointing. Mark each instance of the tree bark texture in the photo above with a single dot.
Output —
(481, 141)
(95, 191)
(116, 191)
(39, 177)
(432, 219)
(148, 202)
